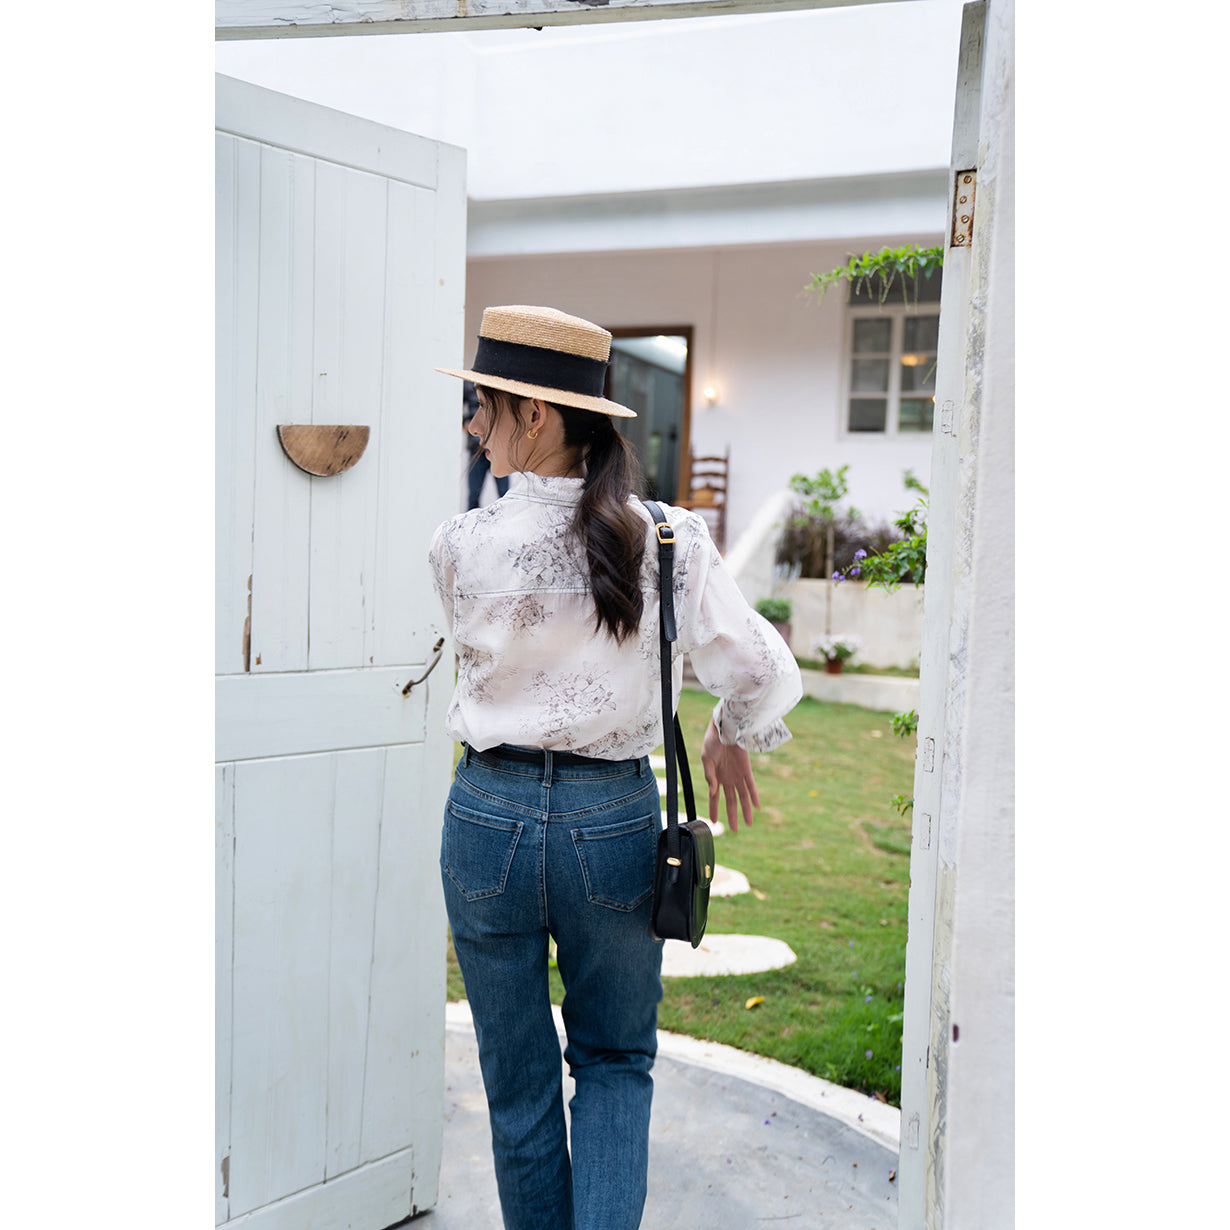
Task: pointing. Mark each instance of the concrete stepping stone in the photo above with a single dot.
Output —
(724, 954)
(728, 883)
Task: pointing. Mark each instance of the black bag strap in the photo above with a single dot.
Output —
(668, 632)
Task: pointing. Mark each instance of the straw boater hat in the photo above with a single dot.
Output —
(539, 352)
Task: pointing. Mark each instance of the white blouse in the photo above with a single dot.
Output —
(535, 672)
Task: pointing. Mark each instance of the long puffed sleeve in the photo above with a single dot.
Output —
(737, 654)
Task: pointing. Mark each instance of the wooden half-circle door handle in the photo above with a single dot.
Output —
(323, 451)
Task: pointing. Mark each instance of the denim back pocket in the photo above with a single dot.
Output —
(478, 851)
(617, 861)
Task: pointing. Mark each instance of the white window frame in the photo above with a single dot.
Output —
(897, 313)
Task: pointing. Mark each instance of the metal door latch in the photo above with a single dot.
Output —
(436, 650)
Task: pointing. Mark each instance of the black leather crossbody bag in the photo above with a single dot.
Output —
(683, 872)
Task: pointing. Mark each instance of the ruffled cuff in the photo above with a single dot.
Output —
(764, 739)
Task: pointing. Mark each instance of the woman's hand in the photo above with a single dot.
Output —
(728, 768)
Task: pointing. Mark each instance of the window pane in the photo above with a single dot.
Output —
(916, 414)
(869, 376)
(917, 373)
(868, 413)
(921, 332)
(872, 336)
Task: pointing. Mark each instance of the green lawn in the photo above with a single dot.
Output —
(828, 860)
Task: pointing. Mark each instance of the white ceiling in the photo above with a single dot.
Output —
(647, 106)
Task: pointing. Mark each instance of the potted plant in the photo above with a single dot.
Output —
(836, 649)
(777, 611)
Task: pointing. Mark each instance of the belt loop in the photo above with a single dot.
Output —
(548, 765)
(465, 755)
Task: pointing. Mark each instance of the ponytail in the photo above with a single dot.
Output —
(612, 534)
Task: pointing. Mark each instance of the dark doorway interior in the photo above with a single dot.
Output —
(650, 372)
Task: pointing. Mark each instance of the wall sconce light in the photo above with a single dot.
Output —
(710, 394)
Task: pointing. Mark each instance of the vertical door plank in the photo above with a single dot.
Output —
(449, 245)
(344, 507)
(283, 849)
(280, 539)
(447, 323)
(419, 432)
(405, 1043)
(356, 850)
(327, 306)
(328, 405)
(362, 363)
(431, 784)
(224, 900)
(237, 193)
(299, 309)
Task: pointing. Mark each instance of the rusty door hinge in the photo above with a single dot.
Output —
(963, 208)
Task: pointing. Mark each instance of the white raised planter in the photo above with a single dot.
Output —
(888, 624)
(886, 692)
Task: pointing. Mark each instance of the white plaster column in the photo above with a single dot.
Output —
(957, 1146)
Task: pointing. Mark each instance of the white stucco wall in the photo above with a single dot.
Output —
(648, 104)
(775, 356)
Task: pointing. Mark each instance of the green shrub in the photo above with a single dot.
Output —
(801, 548)
(775, 610)
(878, 553)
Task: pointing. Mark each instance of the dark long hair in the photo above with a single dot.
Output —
(611, 533)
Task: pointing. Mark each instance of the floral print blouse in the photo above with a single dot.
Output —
(533, 670)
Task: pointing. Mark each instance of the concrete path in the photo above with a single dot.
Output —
(736, 1143)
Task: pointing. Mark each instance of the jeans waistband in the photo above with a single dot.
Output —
(536, 756)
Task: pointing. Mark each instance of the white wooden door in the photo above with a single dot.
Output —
(340, 265)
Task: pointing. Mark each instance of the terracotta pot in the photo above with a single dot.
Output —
(832, 666)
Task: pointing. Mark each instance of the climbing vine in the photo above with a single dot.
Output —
(875, 272)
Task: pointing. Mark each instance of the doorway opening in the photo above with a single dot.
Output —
(651, 372)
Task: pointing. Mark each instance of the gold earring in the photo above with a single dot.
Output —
(532, 435)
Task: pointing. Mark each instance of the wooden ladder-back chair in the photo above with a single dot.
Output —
(705, 492)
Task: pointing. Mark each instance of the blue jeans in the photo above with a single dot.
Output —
(530, 853)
